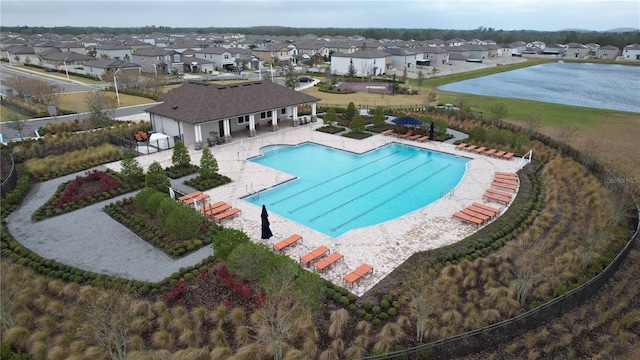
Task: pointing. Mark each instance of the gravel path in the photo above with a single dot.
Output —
(91, 240)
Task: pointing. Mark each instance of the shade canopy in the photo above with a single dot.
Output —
(406, 120)
(266, 230)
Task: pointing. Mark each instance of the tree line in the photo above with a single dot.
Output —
(619, 40)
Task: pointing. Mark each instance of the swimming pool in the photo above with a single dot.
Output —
(336, 190)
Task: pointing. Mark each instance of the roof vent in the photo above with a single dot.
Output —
(233, 86)
(175, 107)
(221, 87)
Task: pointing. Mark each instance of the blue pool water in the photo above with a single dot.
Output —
(336, 191)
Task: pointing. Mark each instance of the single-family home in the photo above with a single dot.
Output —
(607, 52)
(278, 52)
(575, 50)
(311, 49)
(504, 50)
(431, 56)
(195, 112)
(402, 58)
(68, 61)
(365, 62)
(114, 51)
(102, 67)
(158, 60)
(554, 49)
(631, 52)
(20, 54)
(220, 56)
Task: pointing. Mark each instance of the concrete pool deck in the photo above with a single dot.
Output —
(384, 246)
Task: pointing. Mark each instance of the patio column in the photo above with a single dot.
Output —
(314, 117)
(198, 134)
(227, 130)
(294, 115)
(252, 125)
(274, 120)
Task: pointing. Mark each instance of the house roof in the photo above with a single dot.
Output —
(195, 102)
(111, 64)
(155, 51)
(364, 54)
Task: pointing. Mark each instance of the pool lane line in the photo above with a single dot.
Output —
(388, 199)
(353, 183)
(368, 192)
(333, 178)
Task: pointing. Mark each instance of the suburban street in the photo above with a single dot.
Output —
(67, 85)
(31, 125)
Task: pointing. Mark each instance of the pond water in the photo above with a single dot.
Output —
(606, 86)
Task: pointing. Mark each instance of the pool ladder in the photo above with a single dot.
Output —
(254, 194)
(446, 192)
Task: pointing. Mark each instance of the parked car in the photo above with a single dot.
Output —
(305, 79)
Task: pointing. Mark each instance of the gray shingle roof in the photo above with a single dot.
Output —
(196, 103)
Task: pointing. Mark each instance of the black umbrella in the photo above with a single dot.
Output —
(406, 120)
(431, 131)
(266, 231)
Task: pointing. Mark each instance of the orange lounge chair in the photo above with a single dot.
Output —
(490, 151)
(415, 137)
(405, 135)
(423, 138)
(507, 179)
(326, 262)
(314, 255)
(287, 242)
(358, 273)
(198, 198)
(387, 132)
(217, 210)
(502, 185)
(189, 196)
(480, 149)
(214, 205)
(508, 156)
(470, 147)
(474, 214)
(468, 218)
(500, 193)
(499, 154)
(460, 146)
(501, 173)
(226, 214)
(498, 198)
(481, 211)
(486, 207)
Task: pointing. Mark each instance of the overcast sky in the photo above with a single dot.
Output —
(543, 15)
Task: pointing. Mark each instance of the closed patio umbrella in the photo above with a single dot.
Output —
(431, 131)
(266, 230)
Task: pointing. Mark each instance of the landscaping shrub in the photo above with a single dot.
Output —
(226, 240)
(180, 156)
(156, 178)
(180, 220)
(208, 164)
(130, 167)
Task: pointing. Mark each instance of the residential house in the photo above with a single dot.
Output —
(195, 112)
(518, 47)
(344, 47)
(310, 49)
(554, 49)
(68, 61)
(504, 50)
(158, 60)
(455, 42)
(221, 57)
(365, 62)
(631, 52)
(102, 67)
(20, 54)
(431, 56)
(575, 50)
(113, 51)
(402, 58)
(609, 52)
(275, 53)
